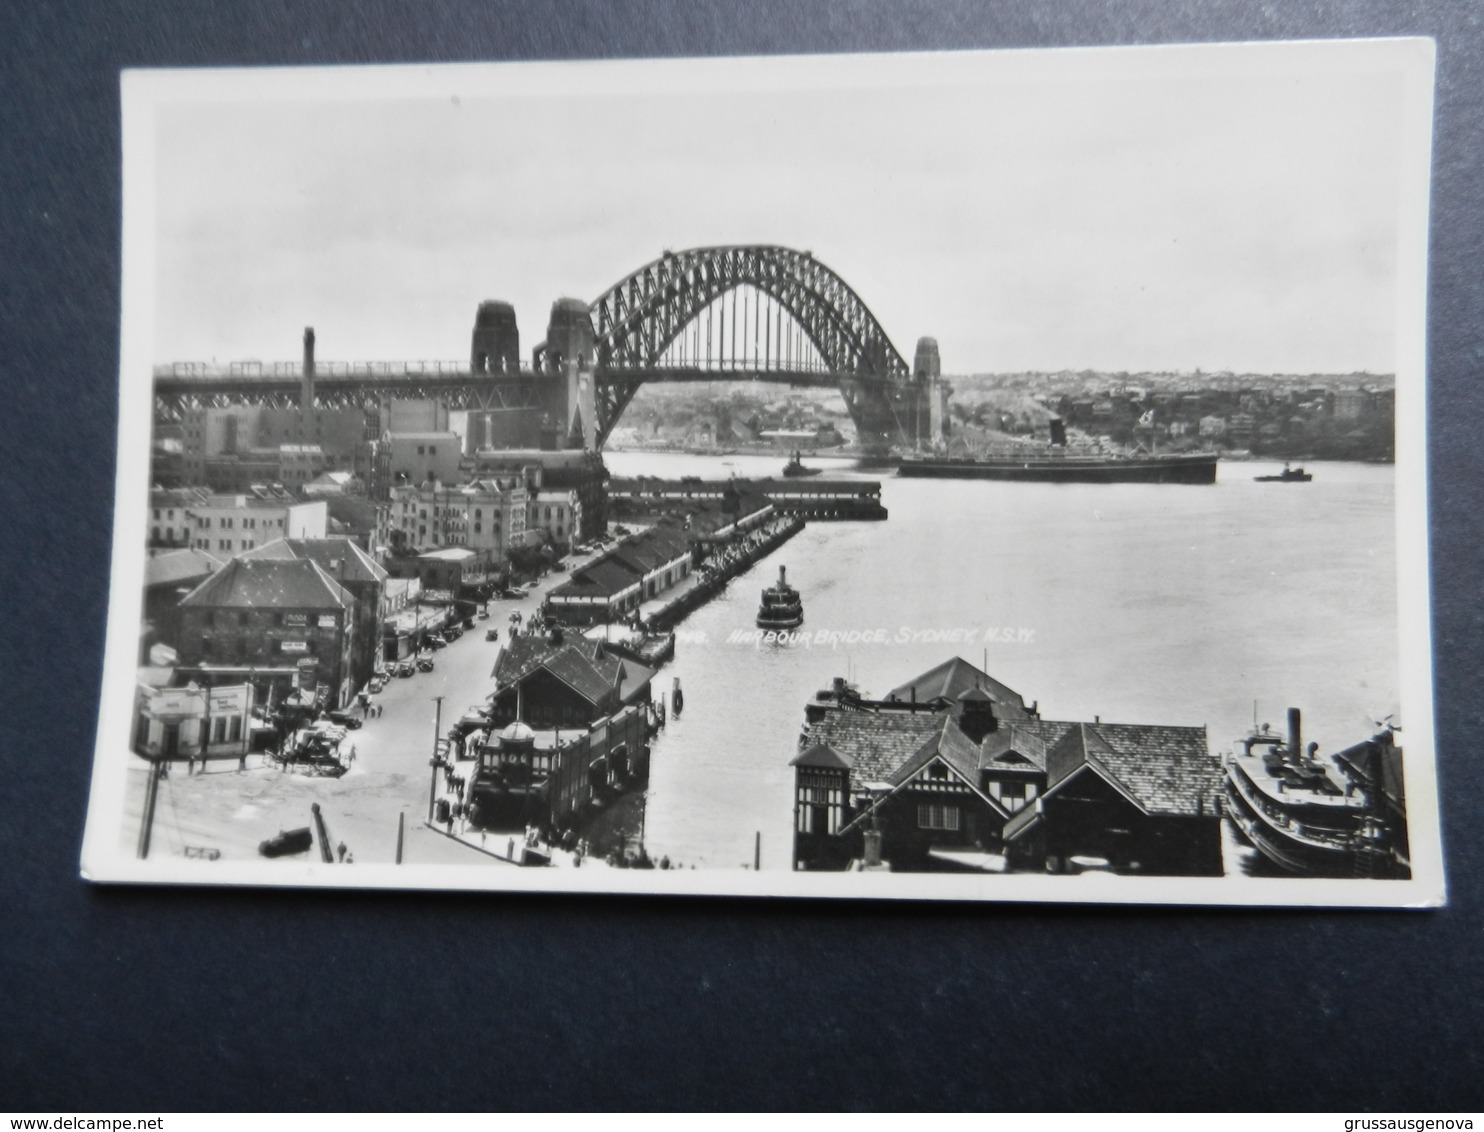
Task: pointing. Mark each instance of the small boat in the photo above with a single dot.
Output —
(797, 467)
(1287, 475)
(677, 699)
(1344, 817)
(781, 607)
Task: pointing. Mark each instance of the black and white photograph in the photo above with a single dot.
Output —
(983, 476)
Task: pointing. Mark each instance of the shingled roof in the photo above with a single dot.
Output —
(1026, 738)
(1167, 770)
(952, 678)
(877, 743)
(822, 755)
(585, 667)
(520, 656)
(269, 583)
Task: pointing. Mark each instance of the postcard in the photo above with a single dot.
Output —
(991, 476)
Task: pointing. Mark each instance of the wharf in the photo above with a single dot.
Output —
(814, 499)
(676, 608)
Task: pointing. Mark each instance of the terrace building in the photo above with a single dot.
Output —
(355, 571)
(483, 514)
(279, 622)
(229, 524)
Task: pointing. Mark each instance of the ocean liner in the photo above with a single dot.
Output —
(1059, 464)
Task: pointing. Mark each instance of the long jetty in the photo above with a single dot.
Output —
(808, 498)
(671, 614)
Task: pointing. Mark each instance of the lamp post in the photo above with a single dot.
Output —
(433, 759)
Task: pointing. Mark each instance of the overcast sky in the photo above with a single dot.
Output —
(1164, 208)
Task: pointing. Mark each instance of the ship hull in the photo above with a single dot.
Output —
(1301, 838)
(1197, 469)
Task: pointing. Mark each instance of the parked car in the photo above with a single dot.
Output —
(377, 683)
(406, 668)
(287, 843)
(425, 664)
(434, 641)
(343, 719)
(513, 595)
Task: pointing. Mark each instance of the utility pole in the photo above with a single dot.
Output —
(151, 793)
(433, 759)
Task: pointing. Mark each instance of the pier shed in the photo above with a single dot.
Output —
(551, 685)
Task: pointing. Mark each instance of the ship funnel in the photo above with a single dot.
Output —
(1058, 432)
(782, 575)
(1295, 734)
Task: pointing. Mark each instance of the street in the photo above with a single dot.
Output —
(231, 811)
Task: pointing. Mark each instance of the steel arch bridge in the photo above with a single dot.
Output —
(671, 321)
(739, 312)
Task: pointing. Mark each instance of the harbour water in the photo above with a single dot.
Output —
(1133, 603)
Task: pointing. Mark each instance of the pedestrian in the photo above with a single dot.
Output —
(340, 852)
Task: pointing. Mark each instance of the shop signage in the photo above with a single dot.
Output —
(230, 701)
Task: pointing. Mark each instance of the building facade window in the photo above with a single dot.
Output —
(935, 815)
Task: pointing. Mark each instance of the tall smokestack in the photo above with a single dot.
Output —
(1294, 734)
(306, 388)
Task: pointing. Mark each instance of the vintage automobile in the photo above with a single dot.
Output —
(287, 843)
(452, 633)
(425, 664)
(343, 719)
(434, 641)
(376, 683)
(492, 634)
(406, 668)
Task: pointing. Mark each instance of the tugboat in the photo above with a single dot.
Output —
(797, 467)
(781, 607)
(1287, 475)
(1344, 818)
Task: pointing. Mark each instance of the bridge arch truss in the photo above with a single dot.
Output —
(638, 321)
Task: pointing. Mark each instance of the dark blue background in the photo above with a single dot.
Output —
(180, 999)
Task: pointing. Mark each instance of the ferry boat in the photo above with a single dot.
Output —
(1345, 817)
(797, 467)
(1287, 475)
(781, 607)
